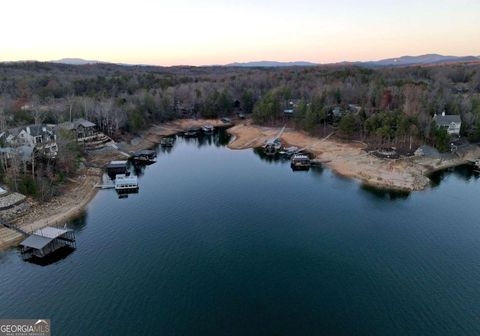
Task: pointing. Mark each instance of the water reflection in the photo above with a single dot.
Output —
(276, 158)
(52, 258)
(385, 193)
(126, 192)
(78, 223)
(219, 138)
(316, 170)
(464, 172)
(138, 169)
(279, 158)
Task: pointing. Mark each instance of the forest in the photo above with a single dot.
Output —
(392, 106)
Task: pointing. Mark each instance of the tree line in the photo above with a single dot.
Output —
(393, 106)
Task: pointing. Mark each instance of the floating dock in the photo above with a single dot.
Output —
(123, 182)
(300, 162)
(145, 156)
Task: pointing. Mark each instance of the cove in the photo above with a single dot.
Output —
(222, 242)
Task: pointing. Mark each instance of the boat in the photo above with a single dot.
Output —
(145, 156)
(208, 129)
(167, 142)
(124, 182)
(272, 146)
(289, 151)
(300, 162)
(191, 132)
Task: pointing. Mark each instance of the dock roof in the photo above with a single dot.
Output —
(116, 164)
(41, 238)
(36, 242)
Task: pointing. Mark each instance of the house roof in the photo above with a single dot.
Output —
(77, 122)
(116, 164)
(84, 123)
(445, 120)
(36, 130)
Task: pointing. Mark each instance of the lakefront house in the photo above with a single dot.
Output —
(39, 138)
(82, 130)
(452, 123)
(290, 107)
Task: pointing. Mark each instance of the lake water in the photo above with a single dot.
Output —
(221, 242)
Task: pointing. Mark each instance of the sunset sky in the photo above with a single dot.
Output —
(169, 32)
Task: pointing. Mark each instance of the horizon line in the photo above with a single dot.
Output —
(99, 61)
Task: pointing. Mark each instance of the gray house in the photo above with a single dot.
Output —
(41, 138)
(452, 123)
(82, 130)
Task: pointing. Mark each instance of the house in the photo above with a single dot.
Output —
(337, 112)
(452, 123)
(41, 138)
(354, 108)
(183, 109)
(290, 107)
(83, 130)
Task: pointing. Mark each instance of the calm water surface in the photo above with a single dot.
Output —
(221, 242)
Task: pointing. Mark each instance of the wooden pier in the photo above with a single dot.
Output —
(14, 227)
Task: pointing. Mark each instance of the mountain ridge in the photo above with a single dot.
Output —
(427, 59)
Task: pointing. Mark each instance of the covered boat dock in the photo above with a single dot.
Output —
(45, 241)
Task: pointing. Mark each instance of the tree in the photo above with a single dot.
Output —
(248, 100)
(347, 125)
(268, 108)
(440, 136)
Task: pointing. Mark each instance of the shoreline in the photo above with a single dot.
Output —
(350, 160)
(346, 159)
(54, 212)
(64, 207)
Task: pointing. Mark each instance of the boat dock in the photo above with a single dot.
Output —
(300, 162)
(123, 182)
(42, 242)
(46, 241)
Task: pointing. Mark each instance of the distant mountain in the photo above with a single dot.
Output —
(271, 64)
(429, 59)
(418, 60)
(76, 61)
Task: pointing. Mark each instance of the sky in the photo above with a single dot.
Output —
(179, 32)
